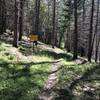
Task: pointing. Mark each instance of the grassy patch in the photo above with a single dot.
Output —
(22, 80)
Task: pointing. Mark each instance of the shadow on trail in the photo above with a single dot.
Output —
(6, 40)
(26, 68)
(27, 50)
(56, 55)
(39, 52)
(89, 76)
(20, 83)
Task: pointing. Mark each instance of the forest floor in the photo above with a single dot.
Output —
(26, 74)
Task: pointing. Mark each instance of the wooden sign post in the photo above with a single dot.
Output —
(33, 38)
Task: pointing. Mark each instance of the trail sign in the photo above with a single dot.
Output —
(33, 37)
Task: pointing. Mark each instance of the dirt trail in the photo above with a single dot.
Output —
(51, 82)
(19, 55)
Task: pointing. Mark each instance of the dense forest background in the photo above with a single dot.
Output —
(49, 49)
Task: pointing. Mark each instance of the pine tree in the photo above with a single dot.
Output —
(65, 21)
(21, 19)
(15, 39)
(91, 33)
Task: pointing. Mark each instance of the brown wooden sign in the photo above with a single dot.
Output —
(33, 37)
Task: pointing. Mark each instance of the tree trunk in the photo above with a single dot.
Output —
(83, 17)
(67, 42)
(75, 31)
(21, 20)
(54, 27)
(15, 39)
(96, 32)
(91, 33)
(60, 39)
(37, 7)
(2, 16)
